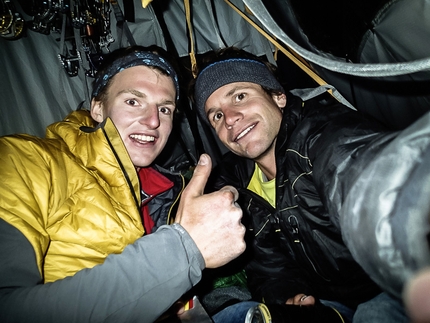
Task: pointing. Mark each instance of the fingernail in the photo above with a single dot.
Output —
(303, 298)
(203, 160)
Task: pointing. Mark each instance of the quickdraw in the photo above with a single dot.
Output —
(84, 26)
(11, 22)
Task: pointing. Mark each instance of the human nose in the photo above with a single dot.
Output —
(151, 117)
(231, 117)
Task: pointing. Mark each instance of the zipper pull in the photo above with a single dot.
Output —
(276, 225)
(295, 227)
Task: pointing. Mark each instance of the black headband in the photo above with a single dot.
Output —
(134, 59)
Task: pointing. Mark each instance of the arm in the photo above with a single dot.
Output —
(134, 285)
(340, 143)
(138, 284)
(377, 188)
(395, 217)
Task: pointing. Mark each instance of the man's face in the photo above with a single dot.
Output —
(245, 118)
(140, 102)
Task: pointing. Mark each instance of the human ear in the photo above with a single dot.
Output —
(280, 100)
(97, 110)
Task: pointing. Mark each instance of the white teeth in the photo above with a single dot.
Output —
(142, 137)
(243, 133)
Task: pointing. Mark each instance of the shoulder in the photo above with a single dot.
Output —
(15, 149)
(323, 112)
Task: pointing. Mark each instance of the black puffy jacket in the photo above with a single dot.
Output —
(321, 149)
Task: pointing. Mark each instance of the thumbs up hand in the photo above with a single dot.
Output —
(212, 220)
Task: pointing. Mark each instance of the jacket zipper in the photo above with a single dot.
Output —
(169, 214)
(292, 219)
(296, 238)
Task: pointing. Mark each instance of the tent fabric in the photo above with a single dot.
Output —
(398, 34)
(332, 63)
(398, 98)
(397, 220)
(216, 26)
(395, 32)
(36, 88)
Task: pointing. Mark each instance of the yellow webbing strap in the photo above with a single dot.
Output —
(299, 61)
(145, 3)
(191, 37)
(341, 317)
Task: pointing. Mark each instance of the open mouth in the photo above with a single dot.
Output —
(244, 132)
(142, 138)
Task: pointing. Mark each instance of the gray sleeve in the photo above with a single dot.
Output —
(385, 217)
(137, 285)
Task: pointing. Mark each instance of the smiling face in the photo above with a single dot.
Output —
(141, 103)
(246, 118)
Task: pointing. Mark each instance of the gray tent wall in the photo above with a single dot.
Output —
(398, 33)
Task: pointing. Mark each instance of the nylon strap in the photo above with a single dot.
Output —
(121, 24)
(145, 3)
(191, 38)
(81, 56)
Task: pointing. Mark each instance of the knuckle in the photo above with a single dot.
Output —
(238, 214)
(227, 194)
(185, 191)
(242, 247)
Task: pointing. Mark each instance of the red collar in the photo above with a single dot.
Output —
(152, 183)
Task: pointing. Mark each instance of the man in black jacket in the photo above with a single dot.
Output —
(296, 158)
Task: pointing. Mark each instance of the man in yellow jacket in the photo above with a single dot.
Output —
(76, 208)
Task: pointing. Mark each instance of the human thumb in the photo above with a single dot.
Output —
(200, 177)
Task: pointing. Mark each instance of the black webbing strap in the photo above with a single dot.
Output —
(121, 24)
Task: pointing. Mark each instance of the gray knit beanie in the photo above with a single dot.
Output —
(229, 71)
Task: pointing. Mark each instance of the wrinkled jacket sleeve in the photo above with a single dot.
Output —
(376, 185)
(137, 285)
(340, 143)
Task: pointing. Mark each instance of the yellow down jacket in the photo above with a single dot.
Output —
(75, 194)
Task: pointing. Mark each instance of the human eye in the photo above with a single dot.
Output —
(239, 97)
(217, 116)
(131, 102)
(165, 110)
